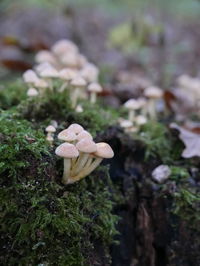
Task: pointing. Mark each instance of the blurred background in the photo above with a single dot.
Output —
(138, 40)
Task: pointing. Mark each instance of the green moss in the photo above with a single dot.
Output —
(160, 143)
(12, 94)
(44, 222)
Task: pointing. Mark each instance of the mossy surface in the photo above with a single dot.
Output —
(44, 222)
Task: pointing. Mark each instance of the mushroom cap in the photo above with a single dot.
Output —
(30, 76)
(132, 104)
(83, 135)
(141, 120)
(95, 87)
(67, 135)
(142, 102)
(50, 129)
(45, 56)
(82, 60)
(79, 108)
(76, 128)
(49, 73)
(49, 138)
(42, 66)
(67, 74)
(86, 145)
(54, 123)
(153, 92)
(126, 123)
(64, 46)
(32, 92)
(70, 60)
(104, 150)
(78, 82)
(40, 83)
(90, 72)
(67, 150)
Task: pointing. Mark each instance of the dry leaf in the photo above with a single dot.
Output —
(191, 141)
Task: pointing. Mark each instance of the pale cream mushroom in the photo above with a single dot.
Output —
(94, 88)
(42, 85)
(79, 108)
(50, 133)
(70, 60)
(45, 56)
(42, 66)
(85, 147)
(140, 120)
(76, 128)
(132, 105)
(84, 134)
(67, 75)
(78, 84)
(64, 46)
(30, 77)
(48, 75)
(32, 92)
(68, 152)
(89, 72)
(67, 136)
(153, 94)
(103, 151)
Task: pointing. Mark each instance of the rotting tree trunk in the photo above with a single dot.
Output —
(150, 234)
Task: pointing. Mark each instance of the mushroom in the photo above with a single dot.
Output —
(85, 147)
(79, 108)
(103, 151)
(153, 93)
(50, 133)
(41, 85)
(70, 60)
(132, 105)
(84, 134)
(77, 84)
(76, 128)
(94, 88)
(67, 136)
(89, 72)
(67, 75)
(30, 77)
(32, 92)
(45, 56)
(67, 151)
(140, 120)
(64, 46)
(48, 74)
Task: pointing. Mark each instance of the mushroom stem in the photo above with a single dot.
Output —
(93, 97)
(152, 109)
(82, 160)
(63, 87)
(66, 172)
(75, 95)
(131, 115)
(88, 170)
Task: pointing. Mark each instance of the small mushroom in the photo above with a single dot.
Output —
(77, 84)
(103, 151)
(45, 56)
(64, 46)
(50, 133)
(32, 92)
(90, 73)
(67, 75)
(85, 147)
(48, 74)
(30, 77)
(132, 105)
(67, 136)
(94, 88)
(68, 152)
(140, 120)
(79, 108)
(153, 94)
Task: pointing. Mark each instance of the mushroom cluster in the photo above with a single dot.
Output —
(80, 153)
(61, 68)
(141, 109)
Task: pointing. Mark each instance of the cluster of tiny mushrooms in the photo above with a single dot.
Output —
(62, 68)
(80, 153)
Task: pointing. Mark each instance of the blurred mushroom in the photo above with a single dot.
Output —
(153, 94)
(94, 88)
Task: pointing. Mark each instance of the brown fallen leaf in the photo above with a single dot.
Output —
(191, 141)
